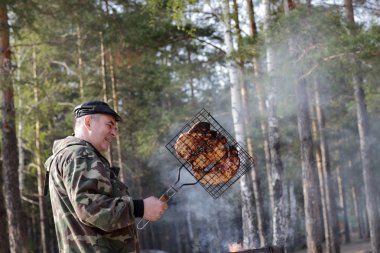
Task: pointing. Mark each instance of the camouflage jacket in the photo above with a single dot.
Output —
(92, 209)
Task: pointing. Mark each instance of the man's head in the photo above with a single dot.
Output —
(95, 122)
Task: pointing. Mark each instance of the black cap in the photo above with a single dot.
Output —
(95, 107)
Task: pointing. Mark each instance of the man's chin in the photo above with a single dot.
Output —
(104, 149)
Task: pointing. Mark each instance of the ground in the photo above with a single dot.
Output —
(356, 246)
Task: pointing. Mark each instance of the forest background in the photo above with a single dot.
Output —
(296, 82)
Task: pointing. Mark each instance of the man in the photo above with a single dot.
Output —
(93, 211)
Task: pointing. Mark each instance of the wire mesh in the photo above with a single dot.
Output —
(210, 154)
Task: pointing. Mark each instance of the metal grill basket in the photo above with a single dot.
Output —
(246, 161)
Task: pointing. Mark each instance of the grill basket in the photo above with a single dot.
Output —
(205, 180)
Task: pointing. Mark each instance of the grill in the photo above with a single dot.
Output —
(208, 182)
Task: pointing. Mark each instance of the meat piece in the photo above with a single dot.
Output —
(201, 146)
(200, 127)
(189, 145)
(223, 170)
(212, 162)
(214, 150)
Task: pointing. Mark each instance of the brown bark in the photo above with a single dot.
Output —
(311, 191)
(359, 219)
(103, 70)
(342, 203)
(37, 155)
(365, 145)
(318, 159)
(251, 16)
(103, 67)
(15, 216)
(333, 241)
(80, 62)
(115, 99)
(368, 173)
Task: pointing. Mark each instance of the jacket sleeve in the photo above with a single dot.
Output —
(90, 189)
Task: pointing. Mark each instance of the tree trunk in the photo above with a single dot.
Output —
(115, 100)
(309, 172)
(103, 71)
(260, 94)
(318, 158)
(358, 216)
(269, 68)
(311, 191)
(80, 62)
(333, 245)
(368, 173)
(103, 68)
(15, 216)
(249, 230)
(342, 203)
(247, 125)
(278, 215)
(365, 146)
(277, 201)
(4, 246)
(37, 155)
(20, 140)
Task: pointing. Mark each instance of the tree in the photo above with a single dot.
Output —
(310, 182)
(249, 231)
(4, 248)
(15, 216)
(365, 143)
(276, 175)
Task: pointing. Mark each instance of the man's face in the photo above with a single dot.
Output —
(102, 131)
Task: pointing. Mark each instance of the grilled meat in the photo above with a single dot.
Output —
(223, 170)
(203, 148)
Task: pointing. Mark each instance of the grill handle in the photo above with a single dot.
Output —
(164, 198)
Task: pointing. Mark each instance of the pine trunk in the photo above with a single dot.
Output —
(365, 146)
(260, 94)
(37, 154)
(248, 125)
(318, 159)
(358, 217)
(342, 203)
(368, 173)
(15, 216)
(311, 191)
(333, 235)
(115, 100)
(80, 62)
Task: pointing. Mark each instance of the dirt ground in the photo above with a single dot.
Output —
(356, 246)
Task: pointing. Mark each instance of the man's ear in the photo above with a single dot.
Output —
(87, 121)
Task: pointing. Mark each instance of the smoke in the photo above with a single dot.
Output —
(206, 223)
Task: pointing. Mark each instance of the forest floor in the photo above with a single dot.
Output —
(355, 246)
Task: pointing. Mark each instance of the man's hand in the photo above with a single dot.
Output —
(154, 208)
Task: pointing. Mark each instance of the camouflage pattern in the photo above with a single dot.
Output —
(93, 211)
